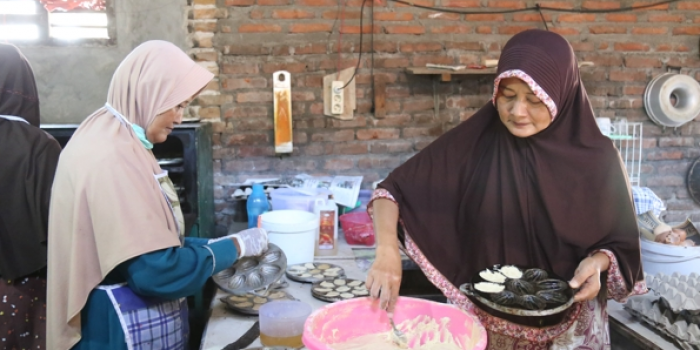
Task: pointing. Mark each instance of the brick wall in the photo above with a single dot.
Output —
(244, 41)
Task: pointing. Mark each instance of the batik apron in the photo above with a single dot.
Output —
(149, 322)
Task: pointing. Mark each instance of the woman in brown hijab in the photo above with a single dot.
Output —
(119, 267)
(28, 158)
(528, 180)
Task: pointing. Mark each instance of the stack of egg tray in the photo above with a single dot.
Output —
(672, 306)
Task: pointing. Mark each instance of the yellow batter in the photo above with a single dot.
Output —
(423, 333)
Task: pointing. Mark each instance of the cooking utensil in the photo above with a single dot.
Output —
(316, 272)
(672, 99)
(246, 339)
(532, 318)
(398, 336)
(348, 289)
(253, 273)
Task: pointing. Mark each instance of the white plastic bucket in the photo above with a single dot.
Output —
(667, 259)
(294, 231)
(287, 198)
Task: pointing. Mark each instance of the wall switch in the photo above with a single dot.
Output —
(337, 105)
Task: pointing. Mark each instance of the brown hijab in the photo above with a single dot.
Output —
(107, 206)
(479, 196)
(28, 158)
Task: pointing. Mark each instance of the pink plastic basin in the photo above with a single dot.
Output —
(361, 316)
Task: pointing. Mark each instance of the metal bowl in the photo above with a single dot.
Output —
(672, 99)
(253, 273)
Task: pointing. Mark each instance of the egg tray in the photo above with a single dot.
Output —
(646, 308)
(252, 273)
(250, 304)
(680, 293)
(345, 288)
(314, 272)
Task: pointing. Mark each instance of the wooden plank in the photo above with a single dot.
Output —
(379, 97)
(439, 71)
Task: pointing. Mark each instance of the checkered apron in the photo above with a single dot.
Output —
(149, 323)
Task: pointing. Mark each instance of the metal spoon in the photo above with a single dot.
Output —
(398, 336)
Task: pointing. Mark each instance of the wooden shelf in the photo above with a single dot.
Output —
(446, 74)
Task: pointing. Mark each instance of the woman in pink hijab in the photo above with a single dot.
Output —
(118, 267)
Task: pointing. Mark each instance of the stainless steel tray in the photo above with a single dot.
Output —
(347, 289)
(314, 272)
(249, 304)
(253, 273)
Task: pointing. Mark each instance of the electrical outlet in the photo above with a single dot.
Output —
(337, 100)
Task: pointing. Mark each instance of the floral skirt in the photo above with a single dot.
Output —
(23, 313)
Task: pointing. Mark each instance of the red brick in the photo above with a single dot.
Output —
(252, 124)
(427, 3)
(273, 2)
(664, 155)
(204, 2)
(507, 4)
(607, 30)
(557, 4)
(252, 151)
(378, 162)
(664, 17)
(531, 17)
(420, 47)
(626, 75)
(236, 166)
(295, 165)
(204, 26)
(634, 89)
(681, 48)
(257, 14)
(582, 46)
(247, 139)
(565, 31)
(356, 122)
(621, 17)
(243, 83)
(247, 111)
(291, 67)
(664, 48)
(642, 62)
(254, 97)
(676, 142)
(580, 17)
(484, 17)
(484, 30)
(464, 45)
(441, 16)
(600, 5)
(458, 29)
(393, 16)
(206, 56)
(387, 47)
(657, 7)
(259, 28)
(339, 164)
(513, 29)
(303, 49)
(240, 2)
(347, 15)
(379, 147)
(315, 2)
(649, 30)
(292, 14)
(697, 19)
(350, 148)
(335, 136)
(310, 28)
(393, 120)
(347, 29)
(461, 3)
(415, 105)
(377, 134)
(631, 47)
(405, 30)
(246, 50)
(695, 30)
(422, 132)
(689, 5)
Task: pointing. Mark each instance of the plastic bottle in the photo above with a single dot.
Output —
(256, 205)
(327, 239)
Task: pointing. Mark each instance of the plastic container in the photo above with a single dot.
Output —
(358, 228)
(256, 205)
(364, 197)
(287, 198)
(282, 323)
(667, 259)
(294, 231)
(344, 320)
(326, 242)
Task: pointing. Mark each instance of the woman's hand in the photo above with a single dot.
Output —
(587, 276)
(384, 277)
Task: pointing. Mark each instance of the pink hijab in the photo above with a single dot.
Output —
(106, 205)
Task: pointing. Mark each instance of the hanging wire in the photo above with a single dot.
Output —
(539, 9)
(359, 58)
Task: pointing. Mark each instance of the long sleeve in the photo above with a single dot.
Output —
(177, 272)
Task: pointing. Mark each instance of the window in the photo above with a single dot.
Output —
(56, 21)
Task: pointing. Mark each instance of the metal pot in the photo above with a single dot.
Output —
(672, 99)
(531, 318)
